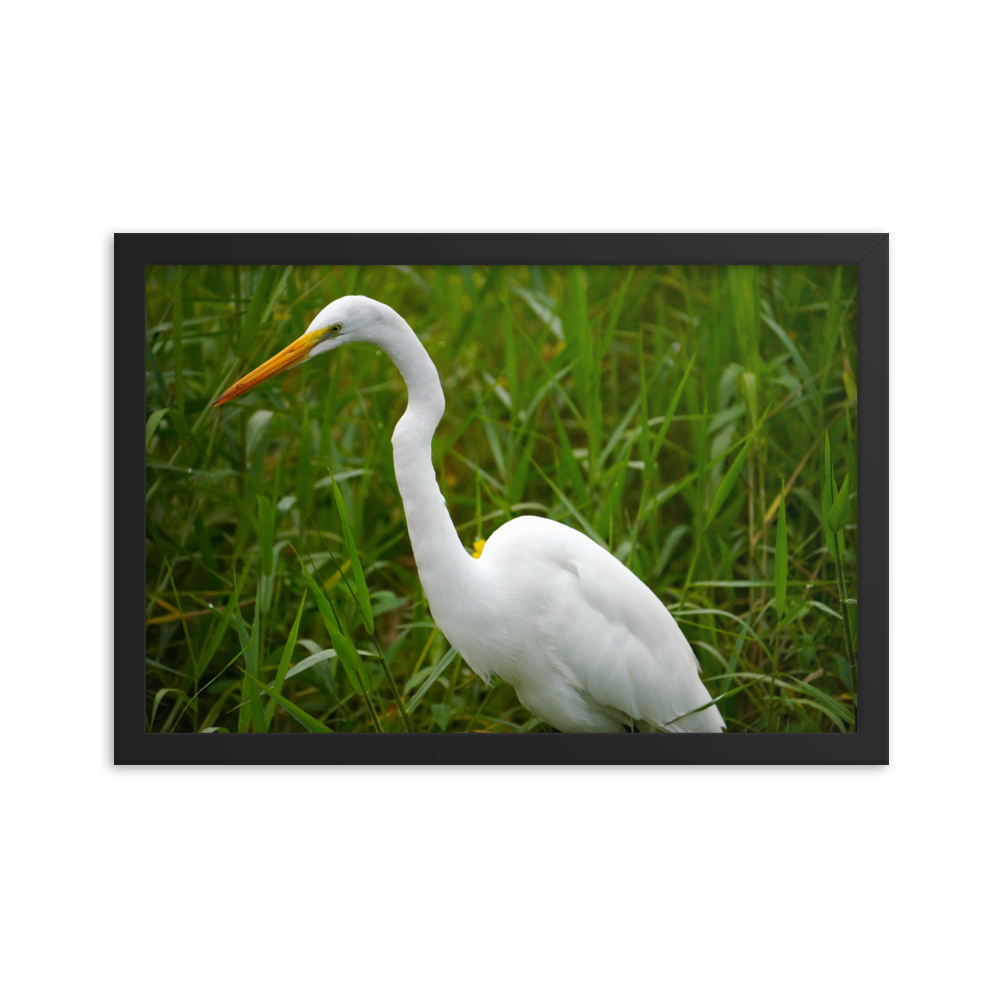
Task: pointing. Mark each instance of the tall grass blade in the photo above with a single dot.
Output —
(781, 559)
(347, 654)
(750, 389)
(614, 499)
(668, 416)
(313, 725)
(286, 659)
(728, 482)
(265, 514)
(609, 331)
(153, 422)
(255, 309)
(828, 496)
(430, 679)
(568, 463)
(837, 517)
(215, 638)
(362, 596)
(252, 709)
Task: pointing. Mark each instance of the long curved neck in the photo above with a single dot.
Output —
(445, 568)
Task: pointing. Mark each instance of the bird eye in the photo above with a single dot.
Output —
(336, 328)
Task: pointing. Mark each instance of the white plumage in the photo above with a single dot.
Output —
(587, 646)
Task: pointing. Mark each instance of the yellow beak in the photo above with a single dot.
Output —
(294, 354)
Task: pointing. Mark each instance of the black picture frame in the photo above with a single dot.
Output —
(868, 252)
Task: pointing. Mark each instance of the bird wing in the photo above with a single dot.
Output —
(602, 626)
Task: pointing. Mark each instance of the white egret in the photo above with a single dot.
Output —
(587, 646)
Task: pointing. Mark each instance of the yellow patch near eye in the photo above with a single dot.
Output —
(477, 548)
(323, 331)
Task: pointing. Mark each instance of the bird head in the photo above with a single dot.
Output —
(346, 320)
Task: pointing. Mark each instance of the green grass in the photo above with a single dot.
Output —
(659, 410)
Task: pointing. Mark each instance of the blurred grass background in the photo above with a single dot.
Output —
(659, 409)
